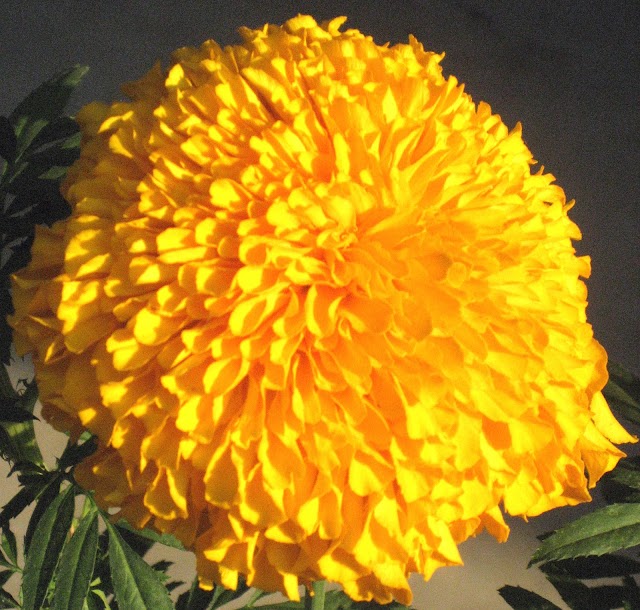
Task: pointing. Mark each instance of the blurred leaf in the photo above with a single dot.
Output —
(623, 393)
(136, 584)
(147, 535)
(195, 599)
(162, 565)
(522, 599)
(42, 106)
(627, 472)
(8, 141)
(608, 529)
(76, 564)
(611, 597)
(8, 545)
(573, 592)
(74, 453)
(587, 568)
(62, 130)
(19, 444)
(45, 497)
(7, 601)
(44, 553)
(13, 412)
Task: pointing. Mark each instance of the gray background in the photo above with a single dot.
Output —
(569, 71)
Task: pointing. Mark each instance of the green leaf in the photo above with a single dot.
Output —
(608, 529)
(623, 393)
(522, 599)
(627, 472)
(9, 546)
(74, 453)
(611, 597)
(587, 568)
(196, 598)
(76, 564)
(136, 585)
(45, 497)
(22, 444)
(13, 412)
(42, 106)
(17, 504)
(43, 555)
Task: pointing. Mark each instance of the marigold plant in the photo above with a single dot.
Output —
(321, 315)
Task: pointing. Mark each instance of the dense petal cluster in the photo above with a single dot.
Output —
(320, 313)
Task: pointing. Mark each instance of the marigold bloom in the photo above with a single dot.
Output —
(320, 313)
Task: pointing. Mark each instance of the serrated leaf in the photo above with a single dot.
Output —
(522, 599)
(606, 530)
(136, 585)
(76, 564)
(42, 106)
(587, 568)
(44, 553)
(17, 504)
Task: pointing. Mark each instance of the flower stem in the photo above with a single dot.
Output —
(315, 601)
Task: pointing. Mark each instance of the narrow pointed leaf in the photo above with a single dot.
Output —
(522, 599)
(76, 565)
(606, 530)
(17, 504)
(45, 498)
(136, 585)
(43, 555)
(9, 546)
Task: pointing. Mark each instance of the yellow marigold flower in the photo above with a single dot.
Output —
(320, 313)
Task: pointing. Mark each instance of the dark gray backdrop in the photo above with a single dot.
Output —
(569, 70)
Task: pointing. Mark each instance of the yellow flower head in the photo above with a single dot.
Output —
(320, 313)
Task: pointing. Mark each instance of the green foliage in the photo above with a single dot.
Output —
(136, 585)
(37, 145)
(623, 393)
